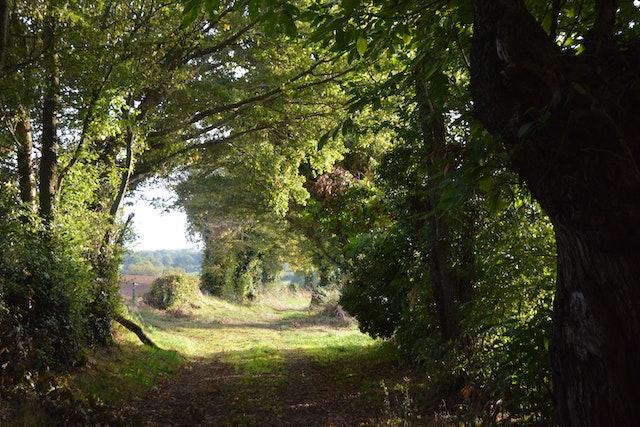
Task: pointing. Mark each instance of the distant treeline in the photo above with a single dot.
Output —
(157, 263)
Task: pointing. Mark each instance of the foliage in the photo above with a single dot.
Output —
(506, 324)
(240, 261)
(44, 287)
(298, 134)
(173, 292)
(61, 88)
(121, 81)
(381, 279)
(144, 268)
(51, 310)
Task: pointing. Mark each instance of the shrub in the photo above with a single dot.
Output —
(173, 292)
(376, 293)
(43, 293)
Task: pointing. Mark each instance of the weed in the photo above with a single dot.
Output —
(397, 404)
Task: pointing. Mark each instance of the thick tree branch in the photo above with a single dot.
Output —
(126, 174)
(512, 75)
(238, 106)
(271, 93)
(136, 329)
(601, 36)
(218, 47)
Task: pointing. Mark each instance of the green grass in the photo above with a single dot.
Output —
(116, 374)
(256, 340)
(218, 328)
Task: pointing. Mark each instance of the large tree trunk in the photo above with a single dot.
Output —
(572, 124)
(596, 333)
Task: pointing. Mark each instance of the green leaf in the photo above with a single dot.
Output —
(270, 20)
(288, 24)
(525, 129)
(350, 5)
(485, 184)
(254, 9)
(191, 11)
(361, 46)
(211, 7)
(323, 141)
(495, 201)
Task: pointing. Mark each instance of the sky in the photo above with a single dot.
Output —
(157, 229)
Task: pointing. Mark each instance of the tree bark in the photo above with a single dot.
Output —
(572, 125)
(50, 142)
(4, 31)
(595, 333)
(433, 134)
(24, 154)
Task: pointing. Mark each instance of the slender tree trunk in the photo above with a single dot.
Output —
(433, 133)
(24, 142)
(105, 264)
(466, 272)
(136, 329)
(4, 31)
(572, 124)
(50, 141)
(126, 174)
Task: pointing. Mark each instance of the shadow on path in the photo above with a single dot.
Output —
(211, 393)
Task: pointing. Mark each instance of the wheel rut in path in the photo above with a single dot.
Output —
(212, 393)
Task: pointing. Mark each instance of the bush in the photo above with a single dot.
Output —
(44, 296)
(173, 292)
(376, 293)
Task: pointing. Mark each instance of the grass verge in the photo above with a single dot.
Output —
(116, 374)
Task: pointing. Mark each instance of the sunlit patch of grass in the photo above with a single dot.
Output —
(263, 360)
(284, 300)
(253, 337)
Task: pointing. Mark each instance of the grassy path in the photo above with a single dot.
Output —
(274, 364)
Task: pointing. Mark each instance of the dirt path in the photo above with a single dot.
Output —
(266, 367)
(211, 393)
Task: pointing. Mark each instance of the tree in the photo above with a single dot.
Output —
(237, 194)
(245, 242)
(96, 97)
(569, 116)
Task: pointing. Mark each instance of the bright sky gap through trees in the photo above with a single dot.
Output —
(156, 227)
